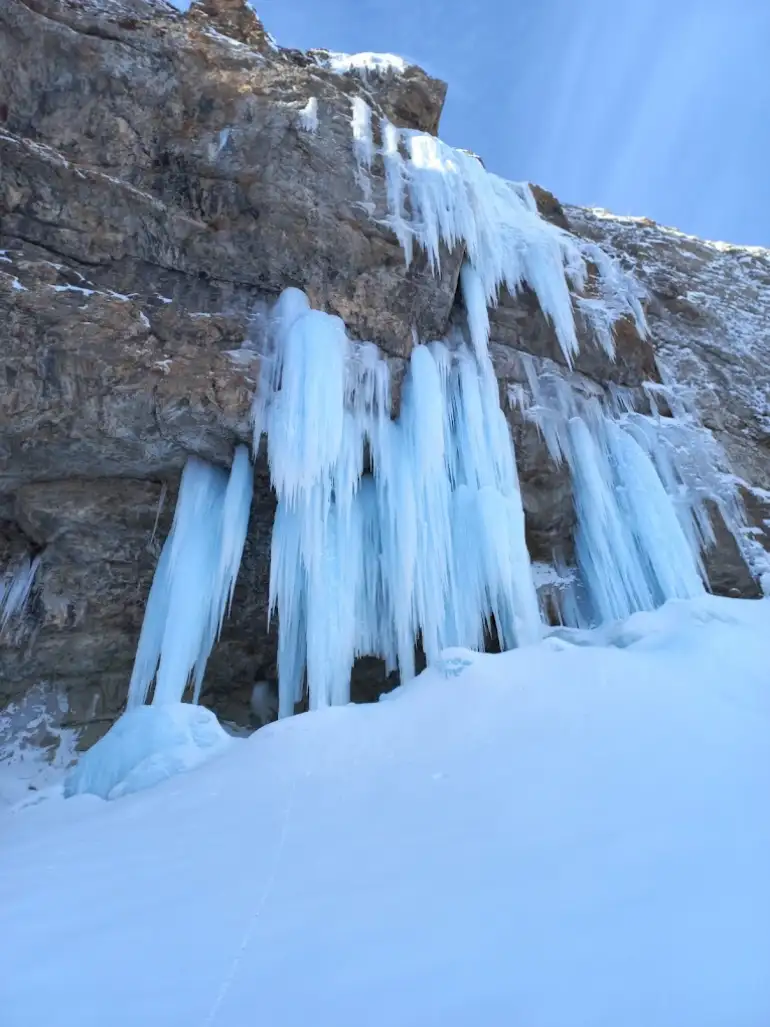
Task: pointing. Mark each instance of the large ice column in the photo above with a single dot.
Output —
(489, 512)
(194, 580)
(320, 404)
(387, 532)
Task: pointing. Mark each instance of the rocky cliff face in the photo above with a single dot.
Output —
(162, 178)
(708, 306)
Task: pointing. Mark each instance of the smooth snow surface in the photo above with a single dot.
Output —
(147, 745)
(194, 580)
(567, 835)
(426, 542)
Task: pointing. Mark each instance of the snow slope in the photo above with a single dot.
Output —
(569, 835)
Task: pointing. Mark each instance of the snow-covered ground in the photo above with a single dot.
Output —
(569, 835)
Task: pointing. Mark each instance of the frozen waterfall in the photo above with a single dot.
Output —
(392, 535)
(388, 533)
(641, 505)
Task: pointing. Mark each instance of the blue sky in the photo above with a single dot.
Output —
(641, 106)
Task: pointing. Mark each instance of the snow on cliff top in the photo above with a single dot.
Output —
(364, 63)
(567, 835)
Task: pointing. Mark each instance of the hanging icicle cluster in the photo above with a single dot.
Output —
(438, 196)
(386, 531)
(15, 587)
(642, 519)
(193, 585)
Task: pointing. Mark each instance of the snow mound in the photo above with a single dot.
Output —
(147, 745)
(667, 629)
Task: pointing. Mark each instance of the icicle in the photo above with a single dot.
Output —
(307, 413)
(236, 507)
(422, 424)
(476, 307)
(15, 587)
(363, 143)
(454, 201)
(288, 590)
(151, 636)
(194, 580)
(308, 116)
(601, 321)
(235, 524)
(607, 555)
(640, 529)
(395, 181)
(429, 545)
(653, 520)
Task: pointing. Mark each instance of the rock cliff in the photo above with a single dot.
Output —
(162, 178)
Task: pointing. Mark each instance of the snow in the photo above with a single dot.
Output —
(425, 544)
(631, 548)
(34, 746)
(73, 288)
(147, 745)
(15, 283)
(476, 310)
(364, 64)
(568, 835)
(236, 44)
